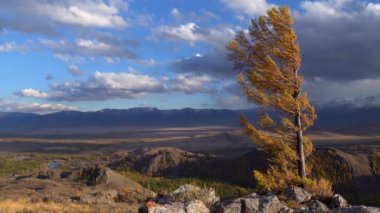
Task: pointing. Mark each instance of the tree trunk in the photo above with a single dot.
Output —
(300, 151)
(299, 135)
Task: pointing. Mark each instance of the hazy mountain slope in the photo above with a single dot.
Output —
(335, 118)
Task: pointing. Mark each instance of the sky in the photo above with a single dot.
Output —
(94, 54)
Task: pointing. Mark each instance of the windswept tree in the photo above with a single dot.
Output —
(268, 55)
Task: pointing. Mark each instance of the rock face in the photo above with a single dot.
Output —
(317, 206)
(155, 161)
(192, 199)
(297, 194)
(188, 192)
(339, 202)
(103, 197)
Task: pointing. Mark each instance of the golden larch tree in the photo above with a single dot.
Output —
(268, 55)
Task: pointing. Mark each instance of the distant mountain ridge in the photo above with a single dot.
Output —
(337, 118)
(134, 117)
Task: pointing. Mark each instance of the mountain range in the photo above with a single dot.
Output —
(336, 118)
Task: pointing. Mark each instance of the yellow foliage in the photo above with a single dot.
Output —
(270, 60)
(321, 187)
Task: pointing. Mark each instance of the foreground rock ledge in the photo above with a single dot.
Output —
(192, 199)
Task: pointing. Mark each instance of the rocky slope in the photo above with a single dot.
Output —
(189, 198)
(352, 170)
(91, 184)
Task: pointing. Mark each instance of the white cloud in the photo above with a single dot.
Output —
(325, 9)
(83, 13)
(123, 85)
(373, 9)
(75, 71)
(33, 93)
(175, 13)
(13, 47)
(105, 86)
(186, 32)
(67, 50)
(192, 84)
(191, 33)
(39, 108)
(248, 7)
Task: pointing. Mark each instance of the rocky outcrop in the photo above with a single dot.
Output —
(297, 194)
(317, 206)
(155, 161)
(339, 202)
(253, 203)
(188, 192)
(91, 184)
(102, 197)
(189, 198)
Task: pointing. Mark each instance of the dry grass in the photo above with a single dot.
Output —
(10, 206)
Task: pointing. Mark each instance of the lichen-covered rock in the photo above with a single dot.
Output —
(269, 204)
(196, 206)
(357, 209)
(297, 194)
(167, 208)
(234, 206)
(251, 203)
(188, 192)
(339, 202)
(102, 197)
(254, 203)
(316, 206)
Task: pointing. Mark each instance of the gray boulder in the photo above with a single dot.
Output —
(316, 206)
(269, 204)
(188, 192)
(234, 206)
(168, 208)
(102, 197)
(297, 194)
(339, 202)
(196, 206)
(255, 203)
(251, 203)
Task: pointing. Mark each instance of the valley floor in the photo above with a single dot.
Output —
(50, 167)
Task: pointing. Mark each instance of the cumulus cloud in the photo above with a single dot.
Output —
(33, 93)
(175, 13)
(192, 33)
(65, 49)
(83, 13)
(105, 86)
(75, 71)
(248, 7)
(123, 85)
(191, 84)
(38, 108)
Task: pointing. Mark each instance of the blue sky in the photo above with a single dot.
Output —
(89, 55)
